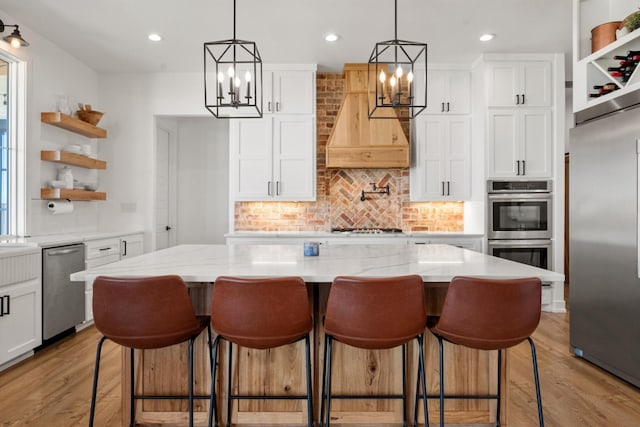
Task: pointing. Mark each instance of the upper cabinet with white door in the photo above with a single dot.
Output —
(525, 113)
(448, 92)
(273, 158)
(520, 143)
(519, 83)
(442, 165)
(290, 91)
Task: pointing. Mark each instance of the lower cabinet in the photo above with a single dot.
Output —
(20, 305)
(106, 251)
(131, 245)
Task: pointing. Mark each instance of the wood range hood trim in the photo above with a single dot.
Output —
(357, 142)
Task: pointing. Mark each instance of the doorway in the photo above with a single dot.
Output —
(193, 180)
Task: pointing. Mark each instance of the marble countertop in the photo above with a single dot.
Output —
(327, 234)
(61, 239)
(16, 250)
(204, 263)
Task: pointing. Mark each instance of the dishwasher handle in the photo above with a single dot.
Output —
(63, 252)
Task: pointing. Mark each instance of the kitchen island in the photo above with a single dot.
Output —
(281, 370)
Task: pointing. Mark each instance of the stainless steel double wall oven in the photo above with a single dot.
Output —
(520, 221)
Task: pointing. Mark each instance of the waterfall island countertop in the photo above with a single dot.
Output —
(204, 263)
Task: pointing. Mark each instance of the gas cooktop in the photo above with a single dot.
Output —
(366, 230)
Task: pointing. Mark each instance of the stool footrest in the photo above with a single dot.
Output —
(264, 397)
(168, 397)
(460, 396)
(366, 396)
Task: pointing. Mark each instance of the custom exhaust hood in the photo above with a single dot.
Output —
(358, 142)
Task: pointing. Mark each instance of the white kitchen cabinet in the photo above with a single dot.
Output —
(97, 253)
(20, 304)
(519, 143)
(442, 166)
(273, 158)
(519, 83)
(448, 92)
(131, 245)
(289, 92)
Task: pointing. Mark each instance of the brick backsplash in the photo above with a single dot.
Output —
(338, 192)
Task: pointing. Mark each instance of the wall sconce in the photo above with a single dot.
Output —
(15, 38)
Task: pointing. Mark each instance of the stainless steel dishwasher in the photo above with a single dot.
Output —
(62, 299)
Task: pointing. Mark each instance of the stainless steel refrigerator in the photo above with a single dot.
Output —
(604, 303)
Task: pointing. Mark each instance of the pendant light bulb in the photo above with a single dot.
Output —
(392, 81)
(247, 76)
(237, 82)
(230, 72)
(220, 77)
(383, 77)
(399, 71)
(410, 76)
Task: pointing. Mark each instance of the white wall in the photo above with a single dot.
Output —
(133, 101)
(203, 180)
(51, 71)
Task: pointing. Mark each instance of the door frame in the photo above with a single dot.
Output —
(170, 127)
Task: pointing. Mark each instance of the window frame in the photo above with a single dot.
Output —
(16, 126)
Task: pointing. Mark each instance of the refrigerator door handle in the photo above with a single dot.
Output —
(638, 208)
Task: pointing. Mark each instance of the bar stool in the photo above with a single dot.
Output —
(260, 314)
(487, 314)
(376, 314)
(146, 313)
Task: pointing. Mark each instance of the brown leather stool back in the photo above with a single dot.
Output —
(261, 313)
(490, 314)
(376, 313)
(144, 313)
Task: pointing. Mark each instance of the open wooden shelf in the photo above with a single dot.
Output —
(73, 125)
(63, 193)
(65, 157)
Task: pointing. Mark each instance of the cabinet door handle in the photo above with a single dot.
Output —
(277, 188)
(442, 182)
(442, 107)
(448, 188)
(517, 99)
(269, 188)
(278, 106)
(448, 107)
(518, 164)
(124, 248)
(269, 106)
(523, 102)
(2, 305)
(524, 170)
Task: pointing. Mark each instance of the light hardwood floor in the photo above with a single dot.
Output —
(53, 388)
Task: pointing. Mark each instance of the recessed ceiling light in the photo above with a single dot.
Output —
(154, 37)
(487, 37)
(332, 37)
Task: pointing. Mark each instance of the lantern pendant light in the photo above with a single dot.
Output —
(394, 67)
(233, 77)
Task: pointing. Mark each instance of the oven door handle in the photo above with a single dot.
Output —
(520, 243)
(520, 196)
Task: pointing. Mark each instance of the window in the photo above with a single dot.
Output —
(4, 147)
(12, 145)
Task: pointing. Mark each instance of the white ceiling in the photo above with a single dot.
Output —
(111, 35)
